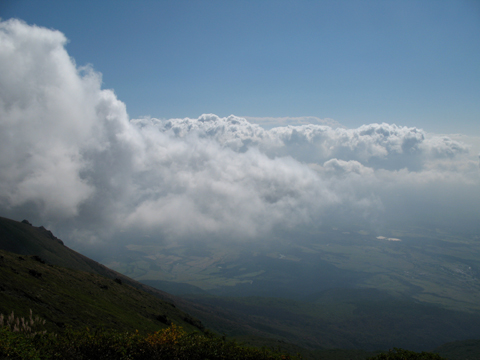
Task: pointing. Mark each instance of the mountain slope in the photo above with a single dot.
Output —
(80, 299)
(25, 239)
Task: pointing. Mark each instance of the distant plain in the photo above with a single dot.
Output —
(332, 287)
(431, 266)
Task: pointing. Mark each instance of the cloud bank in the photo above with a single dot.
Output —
(72, 159)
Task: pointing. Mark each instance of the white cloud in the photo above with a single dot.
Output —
(341, 167)
(46, 113)
(378, 145)
(271, 122)
(71, 157)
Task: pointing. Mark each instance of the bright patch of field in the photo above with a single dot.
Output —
(250, 275)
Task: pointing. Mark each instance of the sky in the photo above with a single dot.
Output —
(412, 63)
(187, 120)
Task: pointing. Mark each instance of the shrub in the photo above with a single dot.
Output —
(401, 354)
(20, 340)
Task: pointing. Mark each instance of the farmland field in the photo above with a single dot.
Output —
(435, 267)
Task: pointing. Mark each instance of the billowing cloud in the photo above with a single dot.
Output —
(44, 120)
(71, 158)
(271, 122)
(379, 145)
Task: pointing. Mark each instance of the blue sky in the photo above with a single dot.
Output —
(413, 63)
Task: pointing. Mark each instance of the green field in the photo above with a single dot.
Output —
(429, 266)
(329, 288)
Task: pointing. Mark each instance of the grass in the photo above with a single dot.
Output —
(66, 296)
(170, 343)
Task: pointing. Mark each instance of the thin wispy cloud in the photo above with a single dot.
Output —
(72, 159)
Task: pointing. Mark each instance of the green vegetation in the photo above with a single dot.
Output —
(400, 354)
(23, 342)
(77, 298)
(170, 343)
(21, 238)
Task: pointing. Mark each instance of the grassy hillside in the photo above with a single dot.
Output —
(80, 299)
(27, 240)
(23, 238)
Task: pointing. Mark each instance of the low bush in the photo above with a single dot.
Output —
(401, 354)
(170, 343)
(22, 339)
